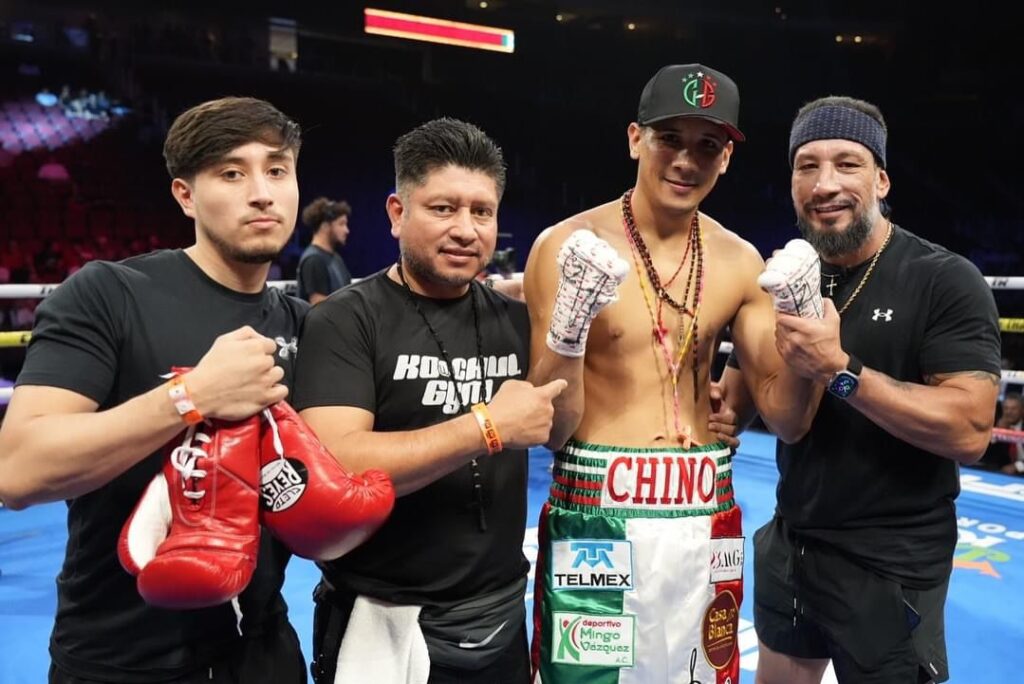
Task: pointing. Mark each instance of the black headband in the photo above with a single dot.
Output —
(836, 121)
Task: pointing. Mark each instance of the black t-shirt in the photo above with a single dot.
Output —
(367, 347)
(108, 333)
(321, 272)
(923, 311)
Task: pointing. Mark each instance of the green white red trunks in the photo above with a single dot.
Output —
(640, 572)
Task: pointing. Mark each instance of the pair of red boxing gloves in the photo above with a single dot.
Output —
(193, 538)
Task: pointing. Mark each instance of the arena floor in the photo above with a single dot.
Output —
(984, 614)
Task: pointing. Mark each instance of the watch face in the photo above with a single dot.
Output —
(844, 384)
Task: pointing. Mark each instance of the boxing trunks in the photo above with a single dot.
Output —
(639, 575)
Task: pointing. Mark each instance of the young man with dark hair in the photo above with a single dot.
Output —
(856, 563)
(92, 412)
(419, 370)
(321, 269)
(640, 568)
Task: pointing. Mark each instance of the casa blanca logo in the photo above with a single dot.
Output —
(469, 380)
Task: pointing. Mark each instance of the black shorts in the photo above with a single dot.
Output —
(810, 601)
(330, 620)
(272, 657)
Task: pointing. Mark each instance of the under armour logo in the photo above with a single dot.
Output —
(287, 348)
(879, 314)
(592, 553)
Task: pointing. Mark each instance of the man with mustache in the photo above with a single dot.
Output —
(91, 411)
(420, 370)
(906, 361)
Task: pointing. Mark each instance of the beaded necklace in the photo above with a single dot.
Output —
(474, 467)
(687, 336)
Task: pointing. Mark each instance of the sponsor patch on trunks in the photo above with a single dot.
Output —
(592, 564)
(607, 640)
(719, 630)
(726, 559)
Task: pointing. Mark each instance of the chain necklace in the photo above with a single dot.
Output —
(475, 477)
(867, 274)
(687, 336)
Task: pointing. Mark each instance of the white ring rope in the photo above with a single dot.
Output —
(23, 291)
(33, 291)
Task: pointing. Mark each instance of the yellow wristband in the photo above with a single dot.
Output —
(490, 433)
(178, 392)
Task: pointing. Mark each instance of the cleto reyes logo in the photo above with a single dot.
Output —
(282, 482)
(660, 481)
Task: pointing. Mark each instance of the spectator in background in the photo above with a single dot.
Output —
(24, 314)
(1013, 419)
(321, 269)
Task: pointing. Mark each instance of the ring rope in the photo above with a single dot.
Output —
(35, 291)
(1008, 435)
(21, 338)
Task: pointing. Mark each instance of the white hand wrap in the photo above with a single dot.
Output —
(793, 278)
(590, 273)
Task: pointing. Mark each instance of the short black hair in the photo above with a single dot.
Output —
(443, 142)
(202, 135)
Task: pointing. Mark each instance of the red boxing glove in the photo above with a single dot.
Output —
(193, 538)
(308, 500)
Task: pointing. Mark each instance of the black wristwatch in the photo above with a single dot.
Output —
(844, 383)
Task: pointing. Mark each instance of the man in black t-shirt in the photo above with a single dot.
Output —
(419, 370)
(321, 269)
(91, 411)
(856, 563)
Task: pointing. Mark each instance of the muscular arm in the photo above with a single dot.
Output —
(786, 401)
(413, 458)
(736, 395)
(54, 445)
(540, 282)
(950, 416)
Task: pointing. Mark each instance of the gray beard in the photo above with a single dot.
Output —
(835, 244)
(424, 271)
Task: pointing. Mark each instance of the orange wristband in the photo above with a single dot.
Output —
(183, 401)
(490, 433)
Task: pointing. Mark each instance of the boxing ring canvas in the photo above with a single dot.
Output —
(984, 613)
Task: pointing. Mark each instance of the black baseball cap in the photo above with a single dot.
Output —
(691, 90)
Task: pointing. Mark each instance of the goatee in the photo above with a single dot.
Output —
(256, 256)
(832, 244)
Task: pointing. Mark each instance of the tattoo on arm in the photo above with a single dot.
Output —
(939, 378)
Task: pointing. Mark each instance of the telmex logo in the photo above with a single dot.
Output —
(592, 553)
(593, 564)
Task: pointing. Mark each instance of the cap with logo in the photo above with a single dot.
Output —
(691, 90)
